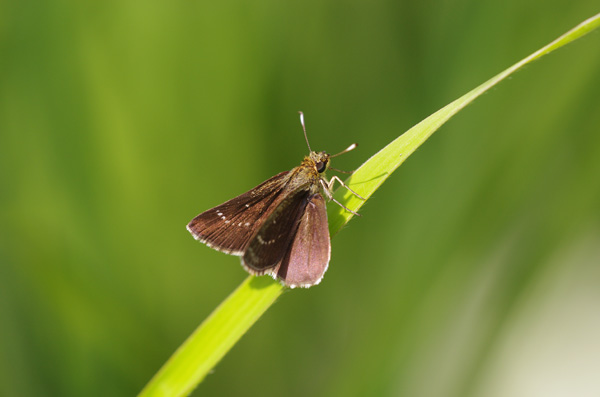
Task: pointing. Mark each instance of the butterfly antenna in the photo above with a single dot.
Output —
(304, 129)
(349, 148)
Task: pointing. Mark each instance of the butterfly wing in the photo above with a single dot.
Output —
(230, 226)
(306, 261)
(273, 239)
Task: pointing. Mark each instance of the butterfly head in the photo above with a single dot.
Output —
(320, 161)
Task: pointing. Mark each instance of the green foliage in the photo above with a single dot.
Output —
(475, 266)
(210, 342)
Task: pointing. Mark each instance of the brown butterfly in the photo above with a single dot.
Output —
(280, 226)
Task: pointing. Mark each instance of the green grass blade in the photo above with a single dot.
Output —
(226, 325)
(214, 337)
(371, 174)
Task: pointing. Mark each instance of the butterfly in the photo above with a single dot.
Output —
(279, 227)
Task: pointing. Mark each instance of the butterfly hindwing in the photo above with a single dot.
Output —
(308, 257)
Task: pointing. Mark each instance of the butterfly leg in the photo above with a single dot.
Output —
(343, 172)
(327, 190)
(336, 178)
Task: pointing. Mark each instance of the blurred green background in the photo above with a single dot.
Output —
(474, 270)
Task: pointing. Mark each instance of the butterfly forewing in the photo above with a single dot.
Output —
(307, 259)
(230, 226)
(273, 239)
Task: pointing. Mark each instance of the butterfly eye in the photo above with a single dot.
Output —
(321, 166)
